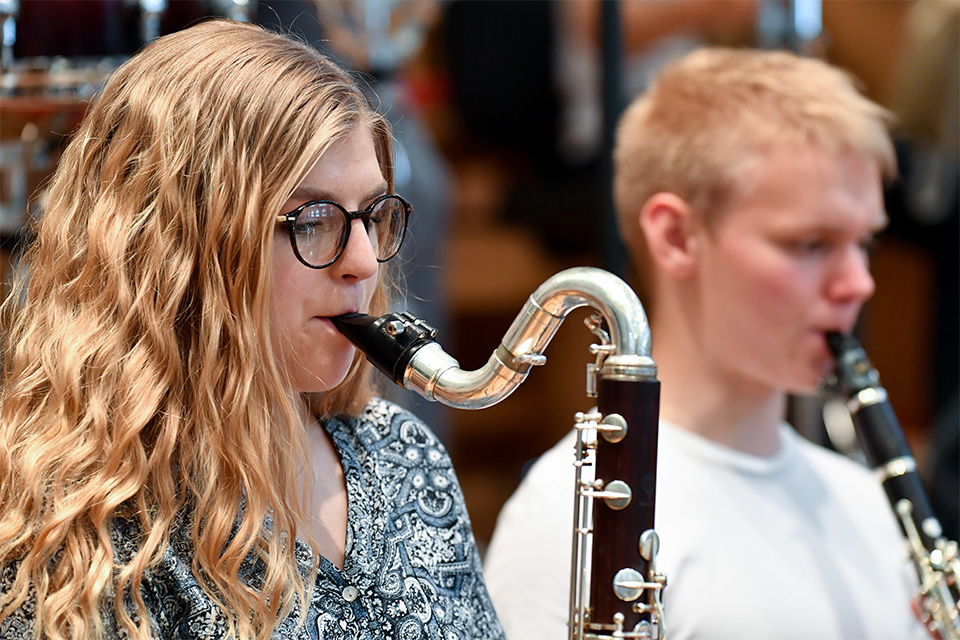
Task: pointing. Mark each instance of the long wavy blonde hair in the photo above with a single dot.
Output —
(139, 380)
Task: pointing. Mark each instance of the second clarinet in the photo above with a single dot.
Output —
(886, 450)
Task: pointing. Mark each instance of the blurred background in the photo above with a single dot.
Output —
(503, 112)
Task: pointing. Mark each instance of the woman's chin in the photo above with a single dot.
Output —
(331, 377)
(333, 381)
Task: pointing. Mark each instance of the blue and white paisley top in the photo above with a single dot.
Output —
(411, 568)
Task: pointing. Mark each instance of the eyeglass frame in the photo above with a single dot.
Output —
(362, 215)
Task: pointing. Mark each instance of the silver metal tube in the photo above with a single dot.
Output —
(441, 379)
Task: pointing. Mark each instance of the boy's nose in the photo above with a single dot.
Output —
(851, 281)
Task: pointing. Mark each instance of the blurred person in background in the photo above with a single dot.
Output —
(749, 188)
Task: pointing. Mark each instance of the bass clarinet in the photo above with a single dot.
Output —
(883, 444)
(615, 586)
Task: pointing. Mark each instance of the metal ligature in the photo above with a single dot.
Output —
(882, 441)
(615, 586)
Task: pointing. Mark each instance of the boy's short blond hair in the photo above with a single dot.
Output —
(710, 113)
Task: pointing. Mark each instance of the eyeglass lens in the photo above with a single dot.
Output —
(321, 230)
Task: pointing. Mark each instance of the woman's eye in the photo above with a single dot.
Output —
(305, 228)
(316, 221)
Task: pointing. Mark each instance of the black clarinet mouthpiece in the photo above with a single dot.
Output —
(854, 371)
(389, 342)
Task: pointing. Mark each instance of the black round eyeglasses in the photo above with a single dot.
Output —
(320, 230)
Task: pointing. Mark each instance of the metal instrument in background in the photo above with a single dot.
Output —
(615, 586)
(886, 450)
(55, 57)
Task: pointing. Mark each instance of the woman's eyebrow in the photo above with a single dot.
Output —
(307, 194)
(376, 192)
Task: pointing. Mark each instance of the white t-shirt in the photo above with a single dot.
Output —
(800, 545)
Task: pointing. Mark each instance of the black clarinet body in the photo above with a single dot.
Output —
(886, 450)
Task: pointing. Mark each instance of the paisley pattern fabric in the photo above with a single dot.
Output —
(411, 569)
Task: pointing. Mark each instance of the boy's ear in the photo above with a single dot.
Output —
(670, 228)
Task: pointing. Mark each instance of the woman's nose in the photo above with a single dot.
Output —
(359, 259)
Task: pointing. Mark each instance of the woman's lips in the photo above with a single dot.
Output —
(326, 320)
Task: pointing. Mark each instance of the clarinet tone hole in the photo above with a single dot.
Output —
(628, 584)
(649, 545)
(618, 494)
(614, 428)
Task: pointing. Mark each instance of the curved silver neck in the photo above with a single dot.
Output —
(437, 376)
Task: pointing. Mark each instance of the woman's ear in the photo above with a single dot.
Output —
(670, 228)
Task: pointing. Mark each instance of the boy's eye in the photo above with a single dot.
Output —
(806, 247)
(820, 246)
